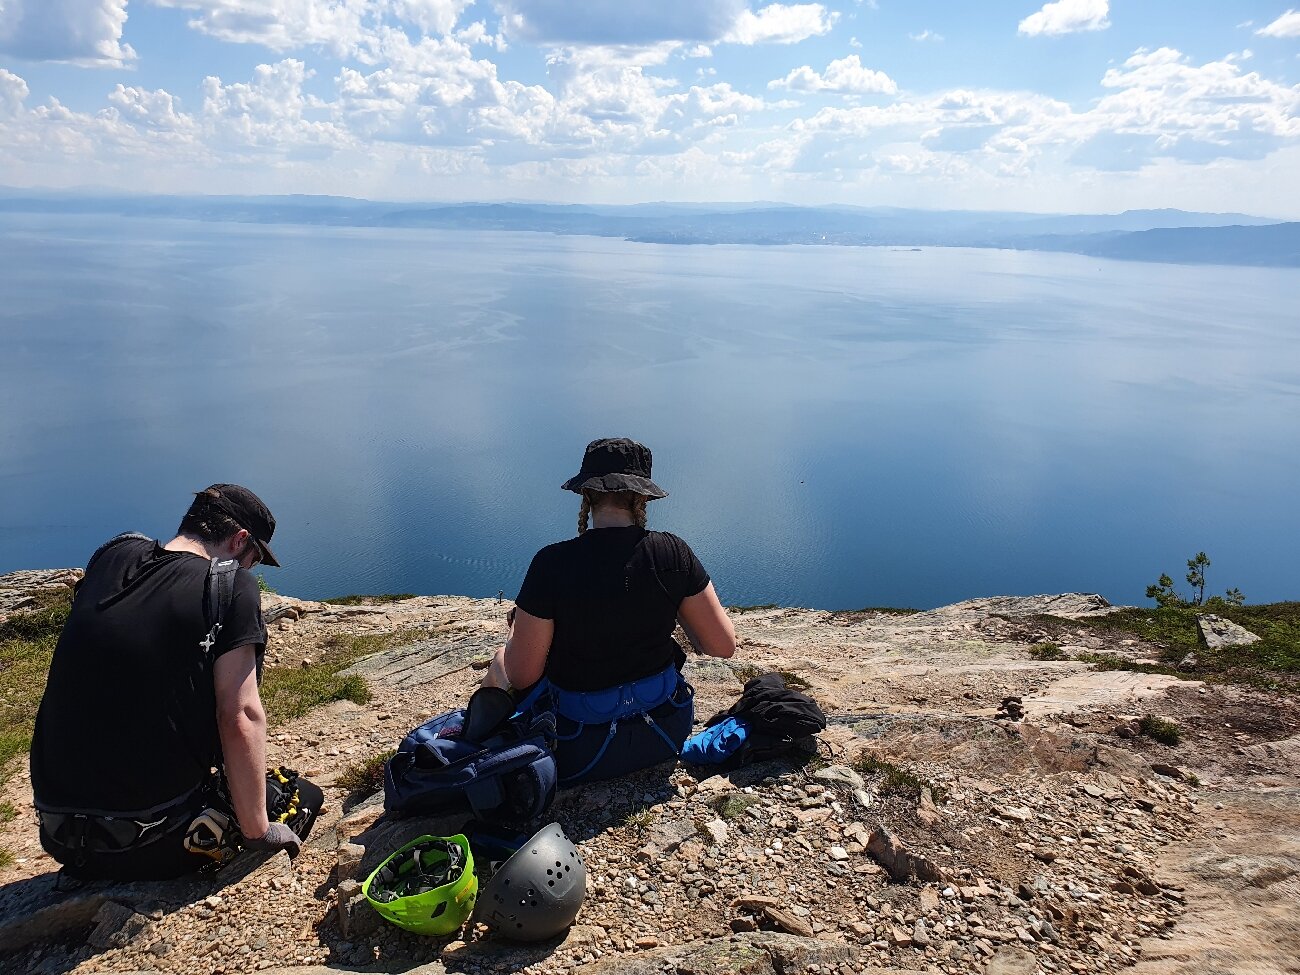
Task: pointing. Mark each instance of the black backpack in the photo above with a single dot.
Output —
(217, 596)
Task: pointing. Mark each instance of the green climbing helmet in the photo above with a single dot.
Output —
(426, 887)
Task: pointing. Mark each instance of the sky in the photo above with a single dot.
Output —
(1086, 106)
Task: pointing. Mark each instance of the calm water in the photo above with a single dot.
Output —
(839, 427)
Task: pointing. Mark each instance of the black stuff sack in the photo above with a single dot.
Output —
(775, 717)
(503, 773)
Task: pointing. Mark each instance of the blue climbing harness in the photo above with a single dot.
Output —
(586, 711)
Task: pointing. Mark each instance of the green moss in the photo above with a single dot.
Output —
(358, 599)
(733, 804)
(1160, 729)
(895, 780)
(1047, 651)
(7, 812)
(366, 777)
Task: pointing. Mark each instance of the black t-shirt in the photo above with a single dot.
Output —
(128, 720)
(613, 594)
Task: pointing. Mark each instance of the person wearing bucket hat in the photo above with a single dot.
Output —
(591, 635)
(154, 683)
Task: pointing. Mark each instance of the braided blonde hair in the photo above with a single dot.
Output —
(635, 503)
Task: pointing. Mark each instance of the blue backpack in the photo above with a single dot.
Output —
(503, 770)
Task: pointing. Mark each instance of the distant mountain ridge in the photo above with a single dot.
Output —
(1166, 235)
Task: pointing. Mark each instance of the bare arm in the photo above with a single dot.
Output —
(241, 723)
(707, 624)
(524, 657)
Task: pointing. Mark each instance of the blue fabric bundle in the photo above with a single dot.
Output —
(715, 744)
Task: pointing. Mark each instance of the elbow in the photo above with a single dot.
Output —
(242, 719)
(724, 650)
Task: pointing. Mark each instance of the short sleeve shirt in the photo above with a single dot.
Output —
(128, 720)
(613, 595)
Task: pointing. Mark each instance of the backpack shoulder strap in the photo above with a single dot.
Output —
(117, 539)
(217, 597)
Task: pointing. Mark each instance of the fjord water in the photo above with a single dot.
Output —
(838, 427)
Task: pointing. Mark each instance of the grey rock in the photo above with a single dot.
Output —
(840, 773)
(667, 837)
(1011, 961)
(718, 831)
(898, 861)
(750, 953)
(1216, 633)
(116, 925)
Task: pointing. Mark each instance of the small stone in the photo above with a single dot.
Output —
(920, 935)
(788, 922)
(838, 853)
(898, 937)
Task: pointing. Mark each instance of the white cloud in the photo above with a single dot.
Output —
(431, 16)
(269, 112)
(855, 43)
(86, 32)
(1067, 17)
(780, 23)
(13, 92)
(280, 25)
(846, 76)
(617, 22)
(156, 110)
(1288, 25)
(926, 35)
(338, 26)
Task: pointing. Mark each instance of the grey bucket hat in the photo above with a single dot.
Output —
(615, 464)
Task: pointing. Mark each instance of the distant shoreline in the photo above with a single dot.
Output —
(1161, 236)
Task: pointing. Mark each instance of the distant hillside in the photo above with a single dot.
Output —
(1275, 245)
(1149, 235)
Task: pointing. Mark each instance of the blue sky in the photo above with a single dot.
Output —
(1075, 105)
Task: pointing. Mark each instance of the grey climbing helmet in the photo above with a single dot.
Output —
(538, 892)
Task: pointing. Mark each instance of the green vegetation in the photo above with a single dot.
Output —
(639, 819)
(364, 778)
(27, 642)
(1160, 729)
(358, 599)
(896, 781)
(752, 609)
(889, 610)
(290, 692)
(1047, 651)
(263, 585)
(1174, 628)
(733, 804)
(1113, 661)
(7, 812)
(1165, 595)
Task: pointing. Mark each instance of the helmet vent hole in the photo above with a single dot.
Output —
(550, 883)
(439, 909)
(558, 864)
(549, 872)
(566, 868)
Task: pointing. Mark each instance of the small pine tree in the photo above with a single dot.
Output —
(1166, 596)
(1196, 576)
(1163, 593)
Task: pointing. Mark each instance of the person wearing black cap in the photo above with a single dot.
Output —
(152, 688)
(592, 631)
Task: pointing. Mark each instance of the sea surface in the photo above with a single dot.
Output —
(838, 427)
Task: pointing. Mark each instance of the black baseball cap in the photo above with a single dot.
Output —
(247, 510)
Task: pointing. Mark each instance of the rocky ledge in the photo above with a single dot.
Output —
(970, 809)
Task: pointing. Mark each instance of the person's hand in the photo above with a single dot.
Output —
(277, 837)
